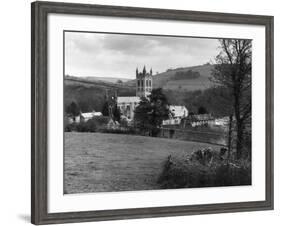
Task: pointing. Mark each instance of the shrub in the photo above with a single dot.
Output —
(192, 173)
(89, 126)
(100, 121)
(70, 127)
(67, 128)
(124, 122)
(178, 174)
(233, 174)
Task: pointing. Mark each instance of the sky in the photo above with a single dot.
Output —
(118, 55)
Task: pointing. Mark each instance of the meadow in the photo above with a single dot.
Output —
(100, 162)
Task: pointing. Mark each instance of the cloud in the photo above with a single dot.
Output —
(100, 54)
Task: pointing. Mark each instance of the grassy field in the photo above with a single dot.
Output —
(99, 162)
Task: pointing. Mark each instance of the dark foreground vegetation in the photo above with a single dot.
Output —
(205, 168)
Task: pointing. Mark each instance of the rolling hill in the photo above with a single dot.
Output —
(92, 81)
(167, 80)
(91, 95)
(90, 92)
(106, 79)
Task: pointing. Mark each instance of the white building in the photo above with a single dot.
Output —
(89, 115)
(222, 121)
(177, 113)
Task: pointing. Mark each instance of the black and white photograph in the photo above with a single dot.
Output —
(150, 112)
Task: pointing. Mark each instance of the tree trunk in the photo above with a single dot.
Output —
(239, 124)
(229, 136)
(239, 142)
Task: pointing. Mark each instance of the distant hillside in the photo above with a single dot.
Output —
(90, 95)
(168, 79)
(95, 82)
(106, 79)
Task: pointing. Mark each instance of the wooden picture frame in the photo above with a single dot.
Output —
(39, 107)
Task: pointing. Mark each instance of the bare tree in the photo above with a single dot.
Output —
(233, 70)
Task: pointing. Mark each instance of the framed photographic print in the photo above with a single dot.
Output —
(140, 112)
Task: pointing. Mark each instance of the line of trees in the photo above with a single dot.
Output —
(233, 71)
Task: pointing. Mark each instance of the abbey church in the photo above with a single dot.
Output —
(144, 86)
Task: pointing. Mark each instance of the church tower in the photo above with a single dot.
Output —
(143, 82)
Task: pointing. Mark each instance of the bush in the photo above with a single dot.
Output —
(181, 175)
(100, 121)
(89, 126)
(192, 173)
(228, 174)
(127, 130)
(70, 127)
(124, 123)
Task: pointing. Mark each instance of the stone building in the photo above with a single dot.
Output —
(144, 86)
